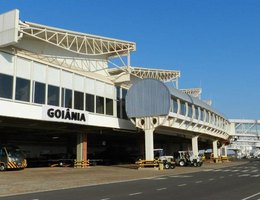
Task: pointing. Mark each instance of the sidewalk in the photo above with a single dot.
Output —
(46, 179)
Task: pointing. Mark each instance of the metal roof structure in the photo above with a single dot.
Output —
(80, 43)
(149, 104)
(159, 74)
(142, 73)
(196, 92)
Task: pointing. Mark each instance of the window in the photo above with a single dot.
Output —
(207, 116)
(53, 95)
(190, 110)
(99, 104)
(6, 86)
(202, 114)
(213, 119)
(90, 102)
(196, 112)
(66, 100)
(124, 92)
(78, 100)
(183, 108)
(109, 106)
(22, 91)
(39, 93)
(118, 101)
(175, 106)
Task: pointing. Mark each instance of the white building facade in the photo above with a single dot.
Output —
(58, 83)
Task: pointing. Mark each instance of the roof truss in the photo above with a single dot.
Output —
(77, 42)
(196, 92)
(162, 75)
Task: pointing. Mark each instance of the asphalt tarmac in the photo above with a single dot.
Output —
(232, 183)
(65, 180)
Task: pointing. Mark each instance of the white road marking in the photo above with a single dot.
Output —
(181, 185)
(242, 175)
(198, 182)
(181, 176)
(207, 170)
(222, 177)
(159, 189)
(226, 170)
(256, 170)
(257, 175)
(159, 178)
(211, 179)
(105, 199)
(249, 197)
(246, 170)
(136, 193)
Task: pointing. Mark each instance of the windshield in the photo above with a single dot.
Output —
(14, 152)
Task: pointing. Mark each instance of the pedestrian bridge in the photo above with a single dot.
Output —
(151, 105)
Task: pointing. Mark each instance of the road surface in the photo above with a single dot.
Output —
(237, 182)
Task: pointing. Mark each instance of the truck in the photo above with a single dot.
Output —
(11, 157)
(167, 161)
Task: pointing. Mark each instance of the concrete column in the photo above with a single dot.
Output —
(81, 146)
(195, 148)
(149, 154)
(224, 150)
(215, 148)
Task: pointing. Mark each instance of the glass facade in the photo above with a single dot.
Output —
(196, 116)
(90, 102)
(175, 106)
(99, 104)
(66, 100)
(183, 108)
(6, 86)
(124, 115)
(53, 95)
(109, 106)
(78, 100)
(120, 103)
(22, 90)
(202, 114)
(39, 93)
(190, 110)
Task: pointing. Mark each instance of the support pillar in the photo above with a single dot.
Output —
(82, 148)
(149, 143)
(195, 148)
(224, 150)
(215, 149)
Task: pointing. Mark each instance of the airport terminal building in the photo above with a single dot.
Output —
(60, 96)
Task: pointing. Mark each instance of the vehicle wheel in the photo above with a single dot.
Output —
(167, 165)
(181, 163)
(195, 164)
(2, 167)
(173, 166)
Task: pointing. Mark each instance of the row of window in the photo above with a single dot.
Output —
(53, 95)
(195, 112)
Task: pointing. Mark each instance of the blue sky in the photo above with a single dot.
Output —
(214, 43)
